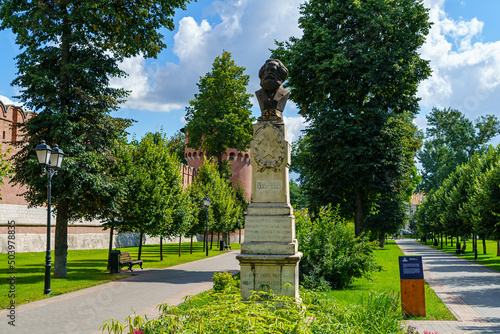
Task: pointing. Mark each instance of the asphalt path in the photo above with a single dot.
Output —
(84, 311)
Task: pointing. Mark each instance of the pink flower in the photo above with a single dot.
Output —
(138, 332)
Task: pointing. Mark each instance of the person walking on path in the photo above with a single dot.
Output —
(84, 311)
(470, 290)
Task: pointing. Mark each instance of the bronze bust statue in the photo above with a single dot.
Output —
(272, 97)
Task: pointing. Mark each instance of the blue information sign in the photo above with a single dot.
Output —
(410, 267)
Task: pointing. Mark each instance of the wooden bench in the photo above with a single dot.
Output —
(126, 260)
(227, 247)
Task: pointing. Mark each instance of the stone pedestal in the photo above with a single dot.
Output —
(269, 256)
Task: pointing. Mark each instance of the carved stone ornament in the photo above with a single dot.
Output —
(268, 148)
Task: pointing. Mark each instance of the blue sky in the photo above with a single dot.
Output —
(463, 47)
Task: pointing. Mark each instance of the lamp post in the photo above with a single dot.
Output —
(206, 202)
(50, 160)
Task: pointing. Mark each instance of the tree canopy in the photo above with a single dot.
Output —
(152, 189)
(452, 139)
(354, 75)
(69, 51)
(177, 144)
(219, 116)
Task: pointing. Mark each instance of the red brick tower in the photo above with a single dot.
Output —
(240, 166)
(10, 117)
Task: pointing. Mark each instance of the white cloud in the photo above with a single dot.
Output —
(294, 127)
(247, 29)
(8, 102)
(466, 71)
(191, 40)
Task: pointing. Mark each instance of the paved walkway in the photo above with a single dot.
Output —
(84, 311)
(471, 291)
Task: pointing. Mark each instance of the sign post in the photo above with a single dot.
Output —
(412, 285)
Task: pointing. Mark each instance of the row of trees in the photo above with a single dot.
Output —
(151, 198)
(69, 51)
(354, 76)
(467, 203)
(450, 141)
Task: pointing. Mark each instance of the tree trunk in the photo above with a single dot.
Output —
(381, 239)
(441, 240)
(61, 240)
(498, 247)
(110, 245)
(61, 237)
(191, 251)
(180, 244)
(239, 237)
(359, 213)
(228, 238)
(451, 241)
(140, 245)
(161, 248)
(211, 240)
(484, 245)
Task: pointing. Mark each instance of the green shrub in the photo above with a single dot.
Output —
(225, 312)
(222, 281)
(333, 256)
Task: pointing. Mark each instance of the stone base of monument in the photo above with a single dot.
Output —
(270, 273)
(269, 258)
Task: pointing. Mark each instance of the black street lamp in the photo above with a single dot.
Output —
(206, 202)
(50, 160)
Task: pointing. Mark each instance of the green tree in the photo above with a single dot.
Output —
(224, 208)
(487, 202)
(452, 139)
(5, 167)
(298, 197)
(354, 73)
(239, 193)
(70, 50)
(387, 217)
(153, 189)
(177, 144)
(219, 116)
(183, 218)
(459, 206)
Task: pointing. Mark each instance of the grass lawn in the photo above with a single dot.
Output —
(86, 268)
(388, 280)
(490, 259)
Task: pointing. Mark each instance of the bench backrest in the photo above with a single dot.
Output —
(125, 257)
